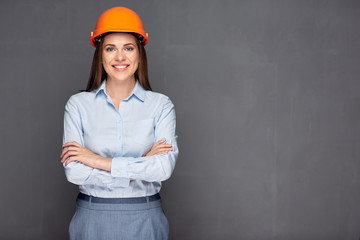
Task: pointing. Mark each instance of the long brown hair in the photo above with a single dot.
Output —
(98, 74)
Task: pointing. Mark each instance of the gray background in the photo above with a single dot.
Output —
(267, 101)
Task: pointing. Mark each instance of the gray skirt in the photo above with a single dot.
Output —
(135, 218)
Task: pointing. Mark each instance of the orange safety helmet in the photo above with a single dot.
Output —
(119, 19)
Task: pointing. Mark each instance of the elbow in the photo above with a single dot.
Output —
(167, 174)
(169, 166)
(74, 180)
(72, 176)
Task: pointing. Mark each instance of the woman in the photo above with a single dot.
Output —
(119, 138)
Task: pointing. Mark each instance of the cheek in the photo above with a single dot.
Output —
(103, 60)
(106, 57)
(136, 58)
(105, 64)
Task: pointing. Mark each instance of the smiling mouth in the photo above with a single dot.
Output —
(120, 67)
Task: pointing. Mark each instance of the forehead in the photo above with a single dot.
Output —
(119, 38)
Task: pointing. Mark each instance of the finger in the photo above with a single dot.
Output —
(151, 153)
(67, 144)
(165, 145)
(148, 154)
(69, 154)
(63, 159)
(162, 151)
(73, 143)
(162, 147)
(156, 144)
(73, 159)
(66, 150)
(63, 152)
(69, 160)
(160, 142)
(76, 144)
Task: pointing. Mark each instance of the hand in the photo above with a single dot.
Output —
(73, 151)
(159, 147)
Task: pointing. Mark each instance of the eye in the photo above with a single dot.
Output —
(129, 49)
(110, 49)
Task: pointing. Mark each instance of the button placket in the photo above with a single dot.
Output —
(119, 124)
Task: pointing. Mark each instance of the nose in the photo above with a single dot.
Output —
(120, 55)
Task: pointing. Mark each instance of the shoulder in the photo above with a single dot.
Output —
(159, 102)
(80, 98)
(157, 97)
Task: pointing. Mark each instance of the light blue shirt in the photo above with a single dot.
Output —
(125, 135)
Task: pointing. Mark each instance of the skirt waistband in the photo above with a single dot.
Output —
(132, 200)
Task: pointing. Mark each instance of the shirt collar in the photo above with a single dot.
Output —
(138, 91)
(101, 88)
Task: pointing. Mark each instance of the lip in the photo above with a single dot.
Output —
(120, 67)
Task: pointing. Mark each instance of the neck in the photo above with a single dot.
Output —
(119, 90)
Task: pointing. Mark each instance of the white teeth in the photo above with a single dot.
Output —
(120, 67)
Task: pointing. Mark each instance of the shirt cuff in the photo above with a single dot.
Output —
(119, 168)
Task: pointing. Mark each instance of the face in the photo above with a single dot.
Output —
(120, 56)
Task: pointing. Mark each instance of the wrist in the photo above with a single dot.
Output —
(103, 163)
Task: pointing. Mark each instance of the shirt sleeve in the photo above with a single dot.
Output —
(79, 173)
(155, 168)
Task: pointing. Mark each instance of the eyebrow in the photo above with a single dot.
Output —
(113, 45)
(127, 44)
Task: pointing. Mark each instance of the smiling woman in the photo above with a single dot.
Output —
(98, 74)
(119, 138)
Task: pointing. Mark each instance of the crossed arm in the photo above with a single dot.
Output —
(73, 151)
